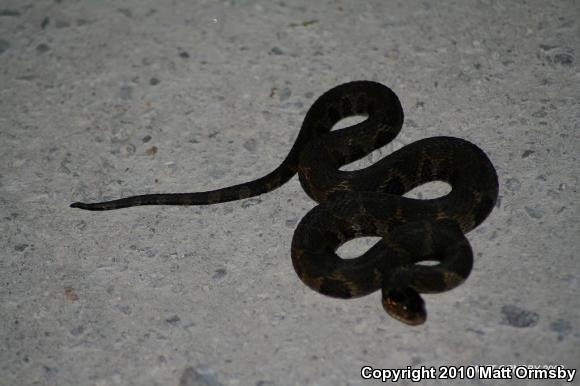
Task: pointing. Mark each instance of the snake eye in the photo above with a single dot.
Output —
(405, 305)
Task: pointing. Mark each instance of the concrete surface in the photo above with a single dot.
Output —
(103, 99)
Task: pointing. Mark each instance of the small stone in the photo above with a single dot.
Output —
(9, 12)
(173, 320)
(70, 294)
(219, 274)
(124, 309)
(250, 145)
(564, 59)
(276, 51)
(285, 94)
(513, 184)
(250, 202)
(562, 327)
(42, 48)
(126, 92)
(20, 247)
(77, 331)
(518, 317)
(540, 113)
(198, 377)
(126, 11)
(527, 153)
(534, 212)
(130, 149)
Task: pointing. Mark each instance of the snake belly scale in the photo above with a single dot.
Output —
(370, 202)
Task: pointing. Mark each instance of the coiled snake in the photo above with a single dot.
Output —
(369, 202)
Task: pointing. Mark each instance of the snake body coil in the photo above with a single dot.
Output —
(369, 202)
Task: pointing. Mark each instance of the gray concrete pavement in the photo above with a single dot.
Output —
(100, 100)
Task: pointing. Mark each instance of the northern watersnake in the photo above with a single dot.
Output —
(370, 202)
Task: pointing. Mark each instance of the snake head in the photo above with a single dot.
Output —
(405, 305)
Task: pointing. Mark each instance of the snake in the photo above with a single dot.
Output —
(422, 247)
